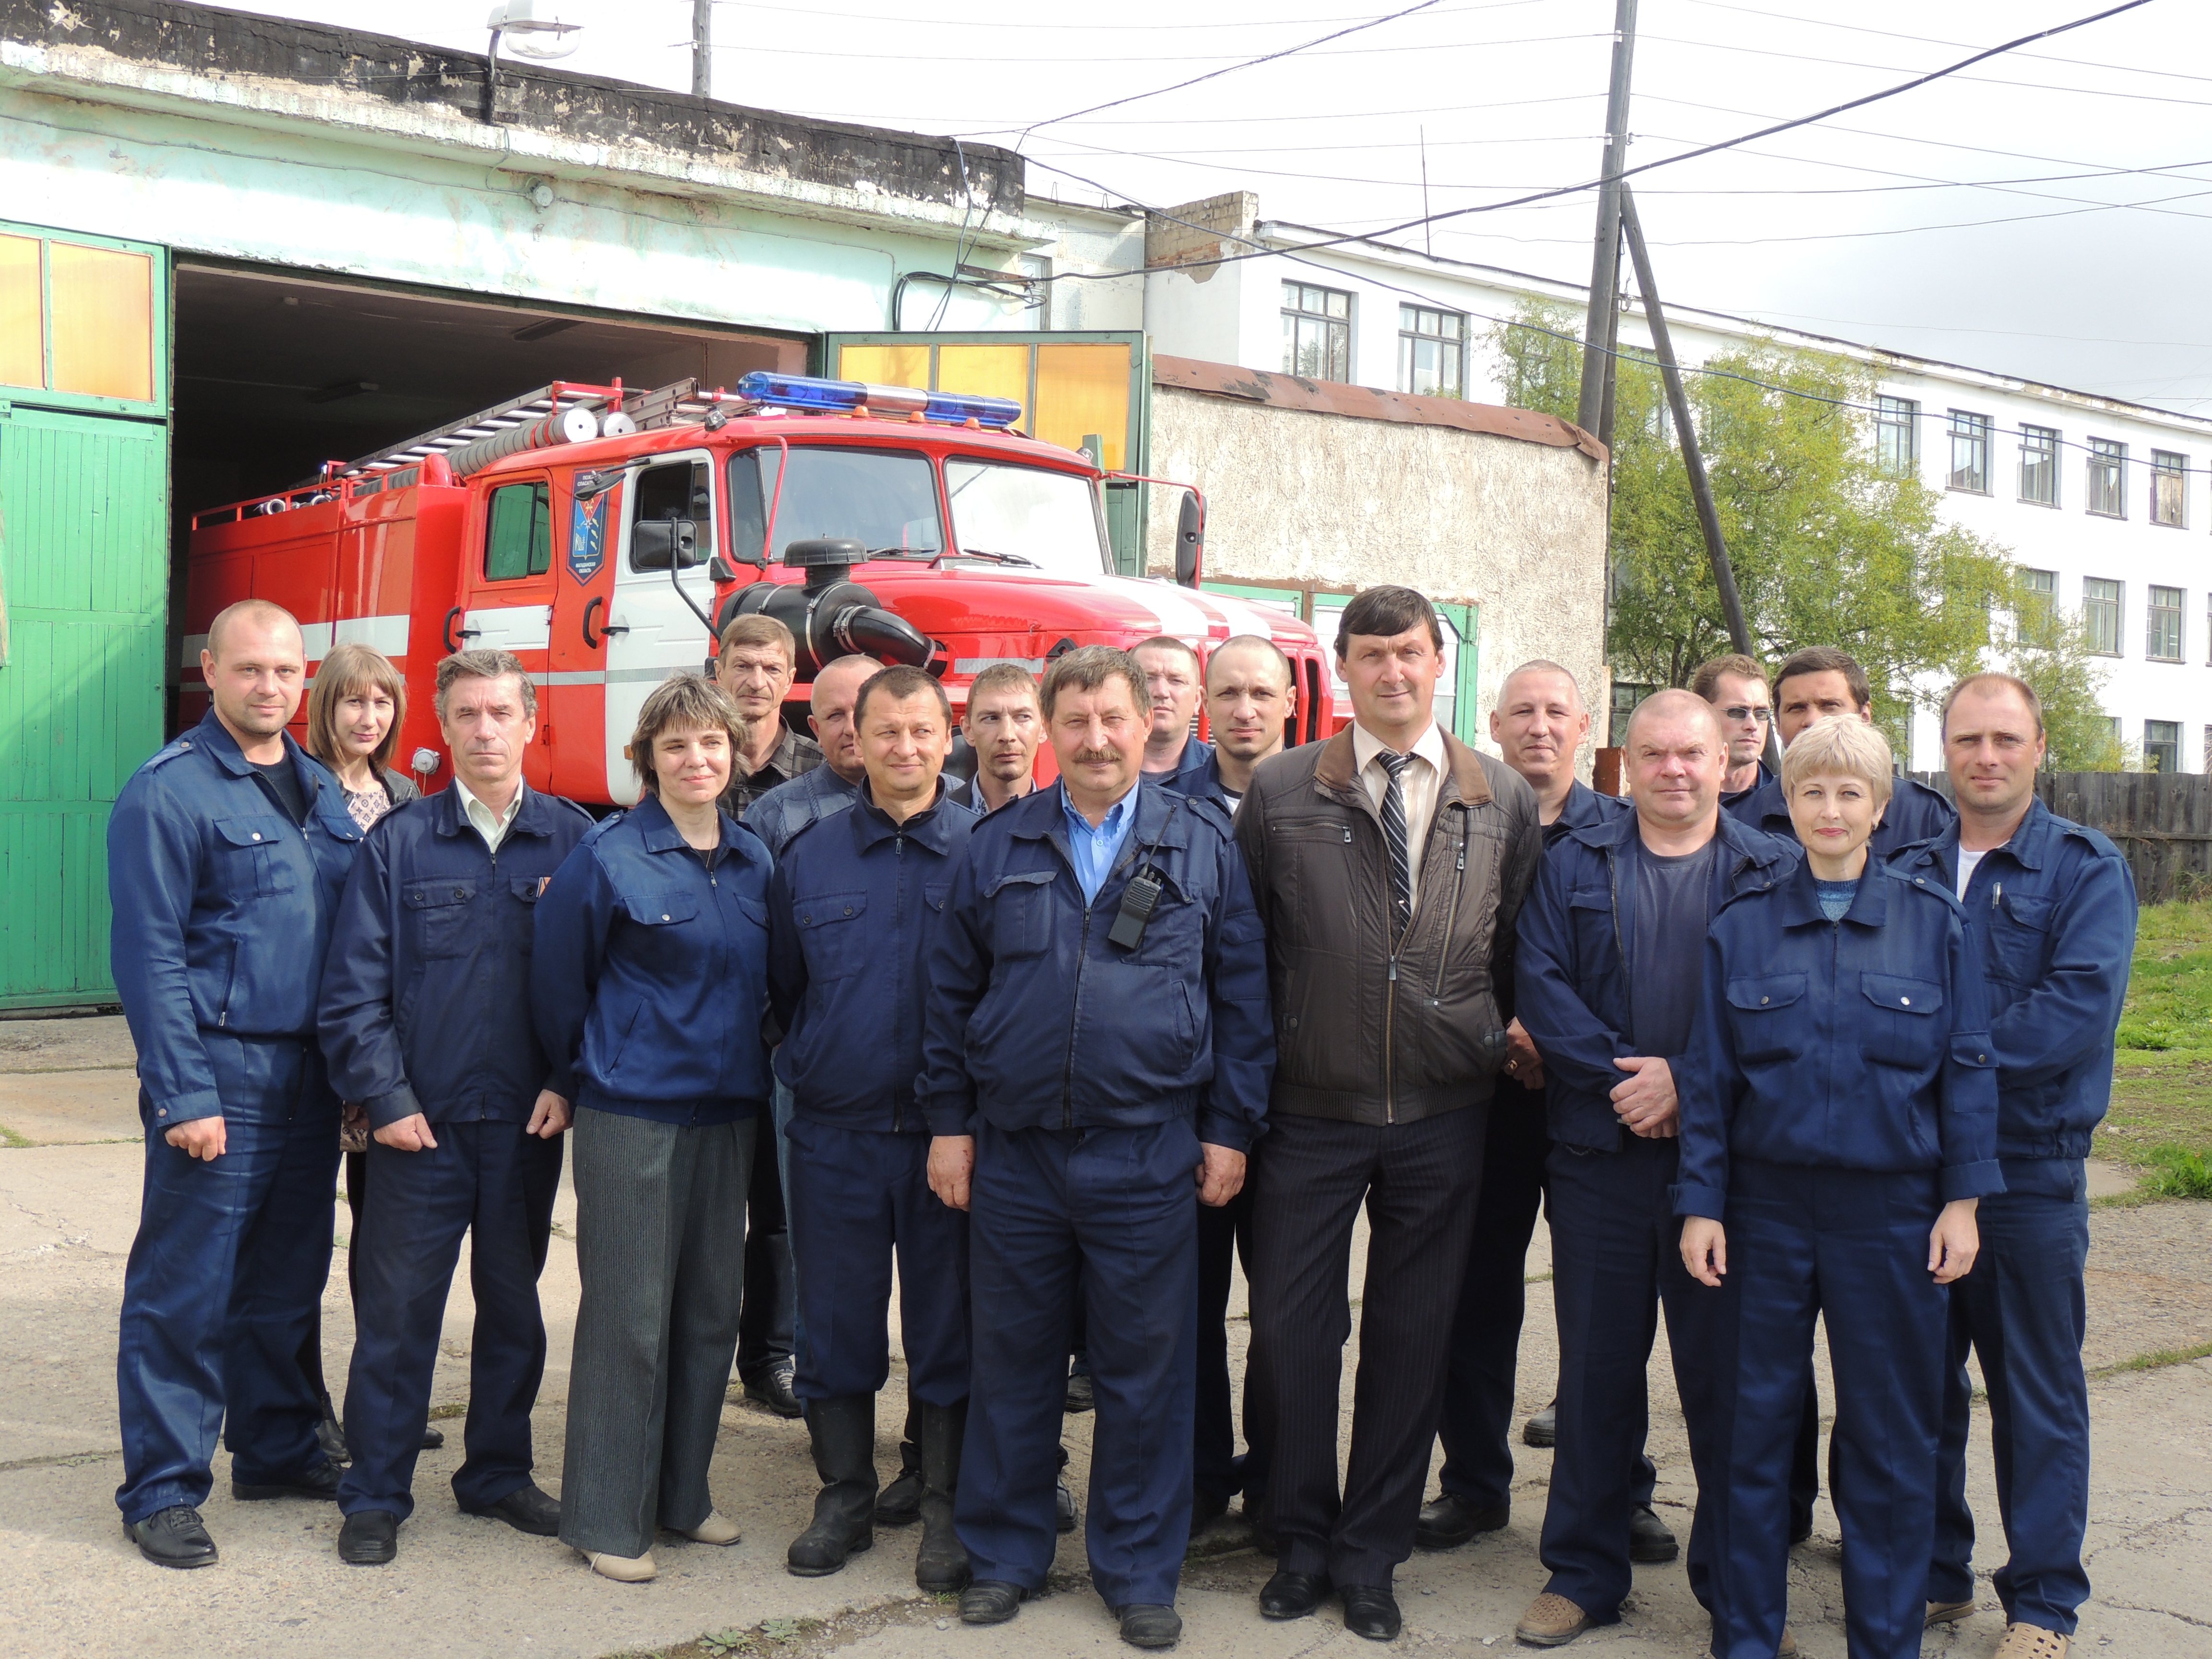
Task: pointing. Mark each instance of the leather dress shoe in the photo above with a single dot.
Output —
(1542, 1429)
(320, 1482)
(1147, 1625)
(1372, 1613)
(1208, 1505)
(433, 1436)
(772, 1388)
(1649, 1538)
(1063, 1506)
(1294, 1595)
(1452, 1520)
(369, 1539)
(173, 1538)
(330, 1435)
(1082, 1394)
(991, 1602)
(527, 1509)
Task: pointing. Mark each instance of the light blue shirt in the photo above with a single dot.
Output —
(1091, 851)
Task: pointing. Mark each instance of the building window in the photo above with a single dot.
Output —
(2108, 478)
(2038, 597)
(1970, 452)
(2169, 489)
(2100, 615)
(2161, 745)
(2039, 464)
(2162, 637)
(1897, 436)
(1316, 333)
(1432, 352)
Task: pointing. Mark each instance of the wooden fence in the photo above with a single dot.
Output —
(2161, 821)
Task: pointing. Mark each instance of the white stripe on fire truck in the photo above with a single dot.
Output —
(386, 634)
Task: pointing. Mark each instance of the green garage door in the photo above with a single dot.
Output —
(84, 456)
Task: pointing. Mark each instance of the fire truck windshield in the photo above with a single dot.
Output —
(886, 498)
(1026, 514)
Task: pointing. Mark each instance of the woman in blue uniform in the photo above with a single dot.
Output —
(1838, 1125)
(649, 977)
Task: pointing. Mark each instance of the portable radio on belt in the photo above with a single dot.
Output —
(1141, 896)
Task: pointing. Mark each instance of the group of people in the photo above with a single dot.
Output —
(1761, 1048)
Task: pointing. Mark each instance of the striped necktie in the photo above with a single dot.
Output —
(1393, 835)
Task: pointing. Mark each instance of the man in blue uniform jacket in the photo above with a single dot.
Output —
(1174, 685)
(1811, 686)
(2052, 907)
(226, 852)
(426, 1021)
(852, 908)
(1098, 1043)
(1606, 984)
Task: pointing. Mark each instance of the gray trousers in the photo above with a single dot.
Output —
(661, 1236)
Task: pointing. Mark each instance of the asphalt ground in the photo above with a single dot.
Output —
(69, 1170)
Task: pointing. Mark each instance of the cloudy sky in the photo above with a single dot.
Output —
(2044, 214)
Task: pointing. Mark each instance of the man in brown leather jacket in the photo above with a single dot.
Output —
(1388, 864)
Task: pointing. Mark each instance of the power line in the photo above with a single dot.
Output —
(1306, 117)
(1147, 28)
(1091, 57)
(1931, 41)
(1706, 149)
(1979, 79)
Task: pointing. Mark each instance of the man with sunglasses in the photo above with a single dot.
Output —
(1736, 687)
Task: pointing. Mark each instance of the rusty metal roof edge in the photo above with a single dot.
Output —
(1367, 403)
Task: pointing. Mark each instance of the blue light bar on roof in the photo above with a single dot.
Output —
(811, 392)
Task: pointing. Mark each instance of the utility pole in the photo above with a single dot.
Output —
(1605, 261)
(702, 48)
(1693, 459)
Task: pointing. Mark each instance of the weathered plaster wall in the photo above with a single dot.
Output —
(1297, 496)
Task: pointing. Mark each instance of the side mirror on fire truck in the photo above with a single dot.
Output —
(664, 544)
(1190, 539)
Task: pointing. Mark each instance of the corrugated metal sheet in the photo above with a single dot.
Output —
(1366, 404)
(82, 520)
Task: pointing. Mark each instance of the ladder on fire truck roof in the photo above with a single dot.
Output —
(676, 403)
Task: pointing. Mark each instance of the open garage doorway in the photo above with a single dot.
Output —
(278, 371)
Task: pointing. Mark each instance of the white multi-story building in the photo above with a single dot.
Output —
(2096, 499)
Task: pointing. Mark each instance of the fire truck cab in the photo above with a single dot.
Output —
(605, 536)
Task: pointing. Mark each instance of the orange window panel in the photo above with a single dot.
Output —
(985, 371)
(103, 304)
(1084, 389)
(884, 365)
(22, 341)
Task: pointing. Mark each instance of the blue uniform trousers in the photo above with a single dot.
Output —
(1851, 1247)
(1107, 1213)
(2021, 1311)
(1616, 1259)
(767, 1319)
(224, 1280)
(859, 1196)
(1224, 1231)
(495, 1183)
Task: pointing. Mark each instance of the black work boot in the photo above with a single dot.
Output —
(844, 1435)
(899, 1504)
(941, 1563)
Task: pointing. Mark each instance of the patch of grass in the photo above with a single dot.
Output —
(9, 1137)
(2169, 1003)
(2157, 1360)
(2177, 1172)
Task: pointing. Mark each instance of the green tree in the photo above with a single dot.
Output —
(2052, 651)
(1826, 549)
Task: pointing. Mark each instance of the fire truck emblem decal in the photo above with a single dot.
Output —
(587, 538)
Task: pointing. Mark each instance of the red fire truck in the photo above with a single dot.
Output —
(603, 536)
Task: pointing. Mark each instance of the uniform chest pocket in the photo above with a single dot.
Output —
(1903, 1019)
(668, 910)
(1175, 934)
(1767, 1017)
(2019, 936)
(833, 934)
(441, 913)
(1021, 914)
(252, 864)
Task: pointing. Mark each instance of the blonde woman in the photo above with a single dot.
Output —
(1839, 1128)
(354, 717)
(648, 983)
